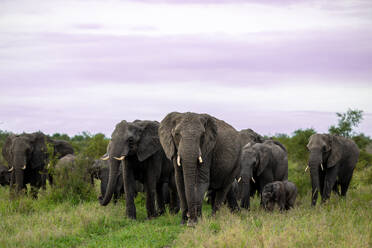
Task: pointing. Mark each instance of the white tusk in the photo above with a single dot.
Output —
(178, 160)
(24, 167)
(11, 169)
(240, 178)
(105, 158)
(316, 191)
(307, 167)
(121, 158)
(253, 180)
(200, 159)
(321, 166)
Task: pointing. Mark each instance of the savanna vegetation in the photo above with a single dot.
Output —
(69, 215)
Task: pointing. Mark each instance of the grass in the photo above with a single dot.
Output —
(25, 222)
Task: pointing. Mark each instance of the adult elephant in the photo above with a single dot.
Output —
(4, 175)
(249, 136)
(261, 163)
(27, 155)
(136, 145)
(332, 161)
(205, 155)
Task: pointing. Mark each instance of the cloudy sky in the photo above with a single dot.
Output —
(273, 66)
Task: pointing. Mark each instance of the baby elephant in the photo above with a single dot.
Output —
(283, 193)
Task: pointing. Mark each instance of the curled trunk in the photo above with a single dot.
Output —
(114, 171)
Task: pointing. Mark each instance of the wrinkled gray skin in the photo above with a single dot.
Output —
(265, 162)
(338, 155)
(26, 155)
(144, 161)
(282, 193)
(100, 170)
(249, 136)
(4, 175)
(188, 136)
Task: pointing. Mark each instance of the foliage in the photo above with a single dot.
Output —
(72, 182)
(362, 141)
(3, 136)
(347, 121)
(296, 145)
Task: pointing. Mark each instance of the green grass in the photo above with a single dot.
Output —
(25, 222)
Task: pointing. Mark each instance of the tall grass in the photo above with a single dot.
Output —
(47, 222)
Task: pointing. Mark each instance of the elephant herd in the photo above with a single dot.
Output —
(189, 156)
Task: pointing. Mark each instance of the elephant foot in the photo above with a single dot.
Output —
(174, 210)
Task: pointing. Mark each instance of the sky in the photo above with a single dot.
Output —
(273, 66)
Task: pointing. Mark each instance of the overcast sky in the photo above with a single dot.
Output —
(273, 66)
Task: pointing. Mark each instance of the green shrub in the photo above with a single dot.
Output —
(72, 182)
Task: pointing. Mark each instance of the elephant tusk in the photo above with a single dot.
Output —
(316, 191)
(24, 167)
(240, 178)
(121, 158)
(11, 169)
(105, 157)
(253, 180)
(321, 166)
(307, 167)
(178, 160)
(200, 160)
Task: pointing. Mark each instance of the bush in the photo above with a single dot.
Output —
(72, 182)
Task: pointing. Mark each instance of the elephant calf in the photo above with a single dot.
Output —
(282, 193)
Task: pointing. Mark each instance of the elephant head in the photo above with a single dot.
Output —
(61, 148)
(269, 195)
(325, 152)
(130, 139)
(253, 161)
(24, 152)
(188, 138)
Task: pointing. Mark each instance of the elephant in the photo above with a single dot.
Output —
(261, 163)
(249, 136)
(282, 193)
(332, 160)
(100, 171)
(136, 146)
(205, 155)
(4, 175)
(27, 155)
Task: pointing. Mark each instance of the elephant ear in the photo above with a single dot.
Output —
(210, 135)
(149, 142)
(336, 153)
(7, 149)
(39, 150)
(165, 133)
(264, 158)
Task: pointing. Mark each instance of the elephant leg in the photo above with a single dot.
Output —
(202, 188)
(335, 188)
(346, 174)
(129, 184)
(329, 182)
(220, 198)
(160, 198)
(231, 201)
(36, 183)
(345, 184)
(174, 204)
(151, 189)
(181, 190)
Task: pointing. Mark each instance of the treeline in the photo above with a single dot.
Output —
(94, 146)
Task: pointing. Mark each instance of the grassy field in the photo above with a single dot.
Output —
(45, 223)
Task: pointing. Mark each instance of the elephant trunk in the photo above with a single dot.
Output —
(189, 154)
(315, 161)
(245, 185)
(114, 170)
(19, 179)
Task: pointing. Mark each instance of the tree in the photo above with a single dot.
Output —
(346, 123)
